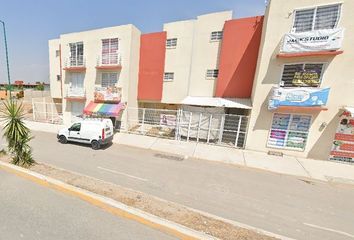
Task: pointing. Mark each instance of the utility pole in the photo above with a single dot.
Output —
(7, 57)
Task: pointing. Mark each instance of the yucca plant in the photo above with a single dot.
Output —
(16, 133)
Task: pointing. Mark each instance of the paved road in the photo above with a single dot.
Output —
(281, 204)
(32, 212)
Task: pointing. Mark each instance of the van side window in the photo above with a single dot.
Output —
(76, 127)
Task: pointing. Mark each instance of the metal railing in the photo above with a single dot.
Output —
(75, 92)
(47, 112)
(111, 59)
(78, 61)
(211, 128)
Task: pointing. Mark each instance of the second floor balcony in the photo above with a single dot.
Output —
(109, 61)
(77, 63)
(76, 94)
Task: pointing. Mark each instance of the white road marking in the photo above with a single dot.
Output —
(330, 230)
(124, 174)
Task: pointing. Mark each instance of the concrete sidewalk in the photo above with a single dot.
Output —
(308, 168)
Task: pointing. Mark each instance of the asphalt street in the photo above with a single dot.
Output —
(280, 204)
(32, 212)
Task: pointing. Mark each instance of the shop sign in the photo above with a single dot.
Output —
(300, 97)
(312, 41)
(306, 79)
(168, 119)
(343, 143)
(107, 94)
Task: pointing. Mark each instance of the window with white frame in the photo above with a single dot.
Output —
(171, 43)
(289, 131)
(109, 79)
(168, 76)
(216, 36)
(110, 51)
(302, 75)
(76, 54)
(322, 17)
(212, 73)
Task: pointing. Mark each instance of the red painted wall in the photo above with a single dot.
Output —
(238, 57)
(151, 66)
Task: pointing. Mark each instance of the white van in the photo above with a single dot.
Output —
(96, 132)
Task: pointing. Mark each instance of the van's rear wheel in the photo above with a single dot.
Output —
(62, 139)
(95, 145)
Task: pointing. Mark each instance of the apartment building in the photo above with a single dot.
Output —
(303, 90)
(95, 72)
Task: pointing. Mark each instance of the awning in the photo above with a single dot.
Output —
(244, 103)
(103, 109)
(349, 111)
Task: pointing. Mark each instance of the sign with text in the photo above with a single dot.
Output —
(343, 143)
(313, 41)
(107, 94)
(306, 79)
(300, 97)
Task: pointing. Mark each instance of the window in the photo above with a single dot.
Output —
(324, 17)
(289, 131)
(168, 76)
(58, 77)
(110, 51)
(302, 75)
(109, 79)
(216, 36)
(212, 73)
(76, 54)
(171, 43)
(57, 53)
(75, 127)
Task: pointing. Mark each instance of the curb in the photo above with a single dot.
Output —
(110, 205)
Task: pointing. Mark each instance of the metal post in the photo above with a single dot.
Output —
(209, 129)
(200, 120)
(7, 57)
(238, 130)
(51, 108)
(189, 125)
(143, 120)
(221, 128)
(177, 124)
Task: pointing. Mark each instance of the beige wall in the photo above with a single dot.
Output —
(206, 53)
(338, 75)
(129, 45)
(54, 68)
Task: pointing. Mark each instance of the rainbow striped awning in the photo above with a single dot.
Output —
(103, 109)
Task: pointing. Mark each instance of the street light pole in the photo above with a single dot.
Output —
(7, 57)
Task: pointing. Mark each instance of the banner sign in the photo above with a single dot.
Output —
(300, 97)
(343, 143)
(306, 79)
(107, 94)
(168, 119)
(317, 40)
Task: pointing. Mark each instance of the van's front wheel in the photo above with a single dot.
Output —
(95, 145)
(62, 139)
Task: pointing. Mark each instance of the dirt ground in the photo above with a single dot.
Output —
(158, 207)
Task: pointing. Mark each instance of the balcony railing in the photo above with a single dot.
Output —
(75, 62)
(76, 92)
(112, 60)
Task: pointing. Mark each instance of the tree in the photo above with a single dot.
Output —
(16, 133)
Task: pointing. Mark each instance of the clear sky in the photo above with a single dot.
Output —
(31, 23)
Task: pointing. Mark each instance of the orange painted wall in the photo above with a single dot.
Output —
(151, 66)
(238, 57)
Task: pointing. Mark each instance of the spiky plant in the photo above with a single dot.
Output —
(16, 133)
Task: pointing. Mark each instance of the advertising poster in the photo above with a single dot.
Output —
(317, 40)
(301, 97)
(343, 143)
(306, 79)
(107, 94)
(168, 120)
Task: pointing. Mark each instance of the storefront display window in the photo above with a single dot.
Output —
(289, 131)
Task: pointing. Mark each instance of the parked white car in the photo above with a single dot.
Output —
(96, 132)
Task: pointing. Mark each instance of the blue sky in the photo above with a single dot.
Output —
(31, 23)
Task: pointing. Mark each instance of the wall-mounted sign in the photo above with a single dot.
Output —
(306, 79)
(343, 143)
(107, 94)
(301, 97)
(168, 119)
(312, 41)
